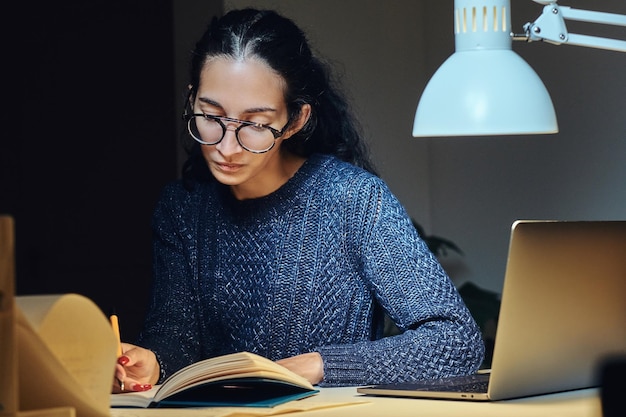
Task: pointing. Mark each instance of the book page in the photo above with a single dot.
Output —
(234, 365)
(261, 373)
(66, 355)
(49, 412)
(134, 398)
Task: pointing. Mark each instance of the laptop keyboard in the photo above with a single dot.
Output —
(477, 383)
(463, 385)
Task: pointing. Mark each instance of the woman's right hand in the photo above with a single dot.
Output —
(136, 370)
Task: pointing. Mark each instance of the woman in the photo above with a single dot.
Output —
(281, 240)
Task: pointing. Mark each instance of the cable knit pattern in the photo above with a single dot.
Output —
(306, 268)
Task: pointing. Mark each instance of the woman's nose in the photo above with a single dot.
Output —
(229, 144)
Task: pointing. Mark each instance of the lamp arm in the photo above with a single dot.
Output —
(550, 27)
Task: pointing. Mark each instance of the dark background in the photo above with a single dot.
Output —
(89, 146)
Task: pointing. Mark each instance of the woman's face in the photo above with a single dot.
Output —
(246, 90)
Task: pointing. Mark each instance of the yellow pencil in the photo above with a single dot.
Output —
(116, 329)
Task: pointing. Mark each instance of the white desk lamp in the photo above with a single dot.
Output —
(478, 90)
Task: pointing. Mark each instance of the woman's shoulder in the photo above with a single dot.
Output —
(345, 181)
(181, 193)
(331, 168)
(174, 190)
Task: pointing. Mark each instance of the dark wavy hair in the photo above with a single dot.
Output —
(276, 40)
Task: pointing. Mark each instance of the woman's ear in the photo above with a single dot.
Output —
(298, 123)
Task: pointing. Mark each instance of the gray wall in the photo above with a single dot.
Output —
(480, 186)
(471, 190)
(190, 20)
(373, 45)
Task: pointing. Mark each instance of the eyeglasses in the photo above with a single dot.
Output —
(251, 136)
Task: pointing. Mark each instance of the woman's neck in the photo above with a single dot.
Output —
(288, 165)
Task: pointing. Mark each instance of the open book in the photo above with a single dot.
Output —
(236, 379)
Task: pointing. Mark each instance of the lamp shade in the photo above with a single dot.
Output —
(484, 88)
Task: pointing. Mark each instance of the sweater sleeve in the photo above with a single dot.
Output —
(170, 329)
(439, 336)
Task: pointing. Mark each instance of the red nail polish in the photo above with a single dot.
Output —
(123, 360)
(142, 387)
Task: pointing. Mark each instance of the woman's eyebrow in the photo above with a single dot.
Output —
(210, 102)
(251, 110)
(260, 110)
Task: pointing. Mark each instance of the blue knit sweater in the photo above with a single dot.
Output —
(309, 267)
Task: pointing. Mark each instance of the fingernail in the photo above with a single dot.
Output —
(141, 387)
(123, 360)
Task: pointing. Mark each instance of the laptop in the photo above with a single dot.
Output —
(562, 314)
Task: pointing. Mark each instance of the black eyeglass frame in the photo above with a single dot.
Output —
(242, 123)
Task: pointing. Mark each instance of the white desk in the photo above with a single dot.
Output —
(570, 404)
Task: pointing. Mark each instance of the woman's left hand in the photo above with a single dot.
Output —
(308, 365)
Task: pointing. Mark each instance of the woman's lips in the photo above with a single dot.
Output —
(225, 167)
